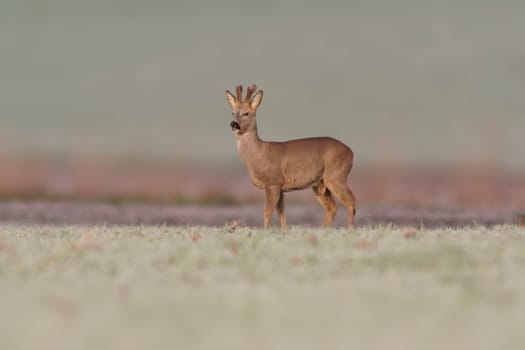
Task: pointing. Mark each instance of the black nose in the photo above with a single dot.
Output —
(235, 125)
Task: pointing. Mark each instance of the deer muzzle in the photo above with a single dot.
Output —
(235, 126)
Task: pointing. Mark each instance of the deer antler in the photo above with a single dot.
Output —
(249, 93)
(239, 92)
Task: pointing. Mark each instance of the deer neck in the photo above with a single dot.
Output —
(251, 148)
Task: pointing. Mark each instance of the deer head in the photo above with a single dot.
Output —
(244, 110)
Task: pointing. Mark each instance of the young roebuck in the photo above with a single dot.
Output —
(322, 163)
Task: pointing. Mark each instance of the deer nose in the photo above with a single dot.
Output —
(235, 125)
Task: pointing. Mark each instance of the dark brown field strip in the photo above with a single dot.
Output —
(250, 215)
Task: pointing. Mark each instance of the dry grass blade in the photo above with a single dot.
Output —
(232, 226)
(521, 220)
(87, 241)
(410, 233)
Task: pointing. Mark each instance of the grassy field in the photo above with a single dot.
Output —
(96, 287)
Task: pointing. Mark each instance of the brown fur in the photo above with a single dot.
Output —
(321, 163)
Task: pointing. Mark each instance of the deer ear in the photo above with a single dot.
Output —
(230, 98)
(257, 99)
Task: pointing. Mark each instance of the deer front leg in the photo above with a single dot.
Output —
(280, 210)
(272, 195)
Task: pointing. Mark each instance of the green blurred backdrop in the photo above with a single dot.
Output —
(408, 82)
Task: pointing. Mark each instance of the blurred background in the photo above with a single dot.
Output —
(124, 100)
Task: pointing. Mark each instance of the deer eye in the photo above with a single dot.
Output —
(245, 114)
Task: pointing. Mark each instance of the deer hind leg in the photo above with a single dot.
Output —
(280, 210)
(340, 189)
(272, 196)
(325, 198)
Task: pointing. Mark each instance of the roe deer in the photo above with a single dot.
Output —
(322, 163)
